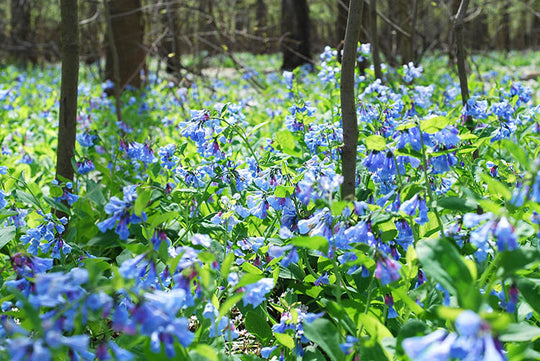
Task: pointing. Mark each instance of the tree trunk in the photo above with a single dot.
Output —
(404, 42)
(67, 124)
(261, 26)
(171, 45)
(341, 21)
(460, 57)
(374, 39)
(295, 27)
(21, 32)
(505, 26)
(128, 32)
(348, 100)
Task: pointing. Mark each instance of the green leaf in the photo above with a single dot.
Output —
(457, 204)
(338, 207)
(143, 198)
(207, 351)
(518, 153)
(95, 193)
(373, 326)
(433, 125)
(375, 142)
(26, 198)
(316, 242)
(283, 191)
(411, 328)
(324, 334)
(226, 265)
(530, 289)
(249, 278)
(56, 191)
(512, 261)
(284, 340)
(258, 326)
(442, 262)
(519, 332)
(7, 234)
(229, 303)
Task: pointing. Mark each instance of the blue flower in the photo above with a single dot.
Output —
(85, 167)
(387, 270)
(322, 280)
(121, 211)
(255, 293)
(475, 108)
(167, 157)
(412, 72)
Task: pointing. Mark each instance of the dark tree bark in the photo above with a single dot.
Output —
(261, 26)
(21, 32)
(341, 21)
(113, 61)
(460, 57)
(375, 40)
(171, 41)
(348, 100)
(67, 124)
(128, 32)
(505, 26)
(295, 27)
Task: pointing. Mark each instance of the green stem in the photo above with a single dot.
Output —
(428, 187)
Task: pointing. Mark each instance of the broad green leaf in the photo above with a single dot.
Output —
(284, 191)
(400, 294)
(433, 125)
(207, 351)
(229, 303)
(226, 265)
(520, 332)
(7, 234)
(324, 334)
(522, 258)
(518, 153)
(373, 326)
(258, 326)
(530, 290)
(249, 278)
(284, 340)
(375, 142)
(442, 262)
(144, 196)
(316, 242)
(457, 204)
(411, 328)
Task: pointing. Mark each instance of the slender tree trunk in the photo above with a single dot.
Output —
(295, 27)
(261, 26)
(348, 100)
(171, 42)
(341, 21)
(375, 40)
(113, 63)
(21, 32)
(414, 18)
(460, 57)
(67, 124)
(505, 31)
(128, 32)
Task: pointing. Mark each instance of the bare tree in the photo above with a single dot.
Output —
(460, 57)
(348, 100)
(21, 31)
(128, 32)
(67, 123)
(295, 26)
(375, 39)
